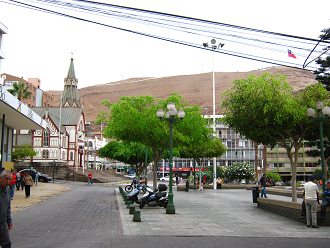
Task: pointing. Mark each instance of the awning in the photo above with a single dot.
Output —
(17, 114)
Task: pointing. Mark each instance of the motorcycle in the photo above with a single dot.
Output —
(155, 197)
(133, 195)
(133, 185)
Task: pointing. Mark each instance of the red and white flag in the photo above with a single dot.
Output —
(290, 54)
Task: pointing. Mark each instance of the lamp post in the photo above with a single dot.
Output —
(320, 114)
(171, 116)
(214, 46)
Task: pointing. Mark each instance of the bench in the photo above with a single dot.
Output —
(291, 210)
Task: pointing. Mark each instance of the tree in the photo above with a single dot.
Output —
(132, 153)
(267, 110)
(240, 171)
(20, 90)
(22, 152)
(322, 74)
(134, 119)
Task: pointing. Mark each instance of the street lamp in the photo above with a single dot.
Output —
(214, 46)
(320, 114)
(171, 116)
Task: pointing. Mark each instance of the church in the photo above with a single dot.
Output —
(63, 138)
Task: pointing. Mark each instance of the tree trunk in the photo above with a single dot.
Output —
(264, 158)
(256, 161)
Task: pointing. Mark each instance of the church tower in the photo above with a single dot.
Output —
(70, 97)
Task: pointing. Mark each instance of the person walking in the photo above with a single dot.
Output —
(28, 182)
(18, 180)
(12, 185)
(311, 200)
(263, 184)
(5, 211)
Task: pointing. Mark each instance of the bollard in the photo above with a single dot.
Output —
(131, 210)
(137, 216)
(129, 203)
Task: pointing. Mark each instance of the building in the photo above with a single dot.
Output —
(63, 138)
(242, 150)
(13, 115)
(38, 97)
(3, 30)
(239, 149)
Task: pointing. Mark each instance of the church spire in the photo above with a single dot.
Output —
(70, 95)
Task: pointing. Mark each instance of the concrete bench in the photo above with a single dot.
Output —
(291, 210)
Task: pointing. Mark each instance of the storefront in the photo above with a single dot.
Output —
(14, 115)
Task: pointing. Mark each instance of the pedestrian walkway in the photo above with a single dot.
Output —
(227, 212)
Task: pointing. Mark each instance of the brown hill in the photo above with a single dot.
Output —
(196, 89)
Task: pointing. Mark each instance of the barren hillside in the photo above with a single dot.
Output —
(196, 89)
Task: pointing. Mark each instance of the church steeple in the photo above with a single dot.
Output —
(70, 95)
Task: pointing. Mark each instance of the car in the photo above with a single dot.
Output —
(41, 176)
(130, 176)
(166, 179)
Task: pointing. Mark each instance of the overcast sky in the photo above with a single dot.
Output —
(40, 44)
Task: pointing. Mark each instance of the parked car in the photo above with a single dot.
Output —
(41, 176)
(167, 179)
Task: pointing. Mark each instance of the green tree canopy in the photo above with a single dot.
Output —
(22, 152)
(322, 74)
(132, 153)
(267, 110)
(20, 90)
(134, 119)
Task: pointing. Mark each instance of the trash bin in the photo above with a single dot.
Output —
(255, 194)
(218, 185)
(187, 185)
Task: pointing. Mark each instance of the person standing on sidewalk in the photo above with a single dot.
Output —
(263, 184)
(311, 200)
(28, 182)
(90, 178)
(5, 211)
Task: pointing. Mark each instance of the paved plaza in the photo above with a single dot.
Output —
(96, 216)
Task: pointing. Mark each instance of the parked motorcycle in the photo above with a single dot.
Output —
(133, 195)
(155, 197)
(133, 185)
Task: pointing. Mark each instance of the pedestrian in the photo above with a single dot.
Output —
(12, 184)
(5, 211)
(325, 198)
(176, 180)
(36, 178)
(28, 182)
(263, 184)
(311, 193)
(22, 180)
(18, 180)
(90, 178)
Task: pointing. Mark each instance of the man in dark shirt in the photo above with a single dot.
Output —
(5, 214)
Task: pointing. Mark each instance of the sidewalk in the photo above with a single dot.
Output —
(38, 193)
(228, 212)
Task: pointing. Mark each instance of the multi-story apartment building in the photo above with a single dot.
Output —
(38, 97)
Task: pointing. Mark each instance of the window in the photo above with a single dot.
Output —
(71, 155)
(45, 154)
(46, 137)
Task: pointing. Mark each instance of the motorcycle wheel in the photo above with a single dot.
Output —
(128, 188)
(142, 204)
(165, 205)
